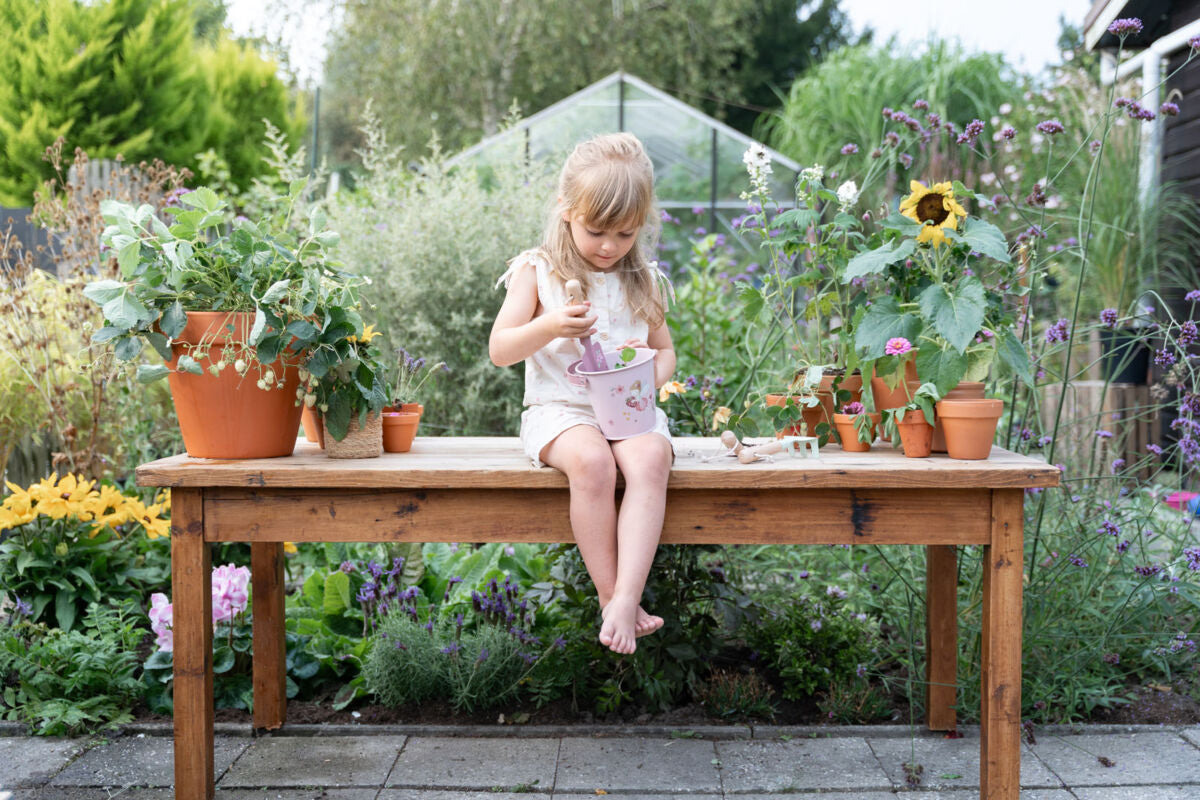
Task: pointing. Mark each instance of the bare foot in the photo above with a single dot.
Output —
(647, 623)
(618, 632)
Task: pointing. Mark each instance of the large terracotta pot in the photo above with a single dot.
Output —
(965, 390)
(916, 434)
(970, 426)
(887, 397)
(227, 415)
(399, 429)
(849, 433)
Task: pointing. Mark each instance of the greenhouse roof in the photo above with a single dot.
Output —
(697, 159)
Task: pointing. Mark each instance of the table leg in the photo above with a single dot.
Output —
(941, 636)
(191, 586)
(270, 649)
(1000, 728)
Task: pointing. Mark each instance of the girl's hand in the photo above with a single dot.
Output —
(571, 322)
(636, 343)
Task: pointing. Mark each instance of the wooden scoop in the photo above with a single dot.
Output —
(593, 356)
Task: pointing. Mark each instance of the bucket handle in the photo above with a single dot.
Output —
(574, 378)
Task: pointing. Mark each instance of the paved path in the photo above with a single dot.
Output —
(320, 762)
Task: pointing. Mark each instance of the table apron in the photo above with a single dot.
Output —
(708, 516)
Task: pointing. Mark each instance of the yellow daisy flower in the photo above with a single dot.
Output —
(935, 208)
(290, 547)
(669, 388)
(154, 524)
(368, 334)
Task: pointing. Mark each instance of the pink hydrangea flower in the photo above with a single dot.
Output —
(897, 346)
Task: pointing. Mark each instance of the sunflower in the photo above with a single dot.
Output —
(935, 208)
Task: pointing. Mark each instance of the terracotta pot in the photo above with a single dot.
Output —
(965, 390)
(824, 411)
(849, 434)
(916, 435)
(314, 428)
(887, 397)
(227, 415)
(970, 426)
(399, 428)
(360, 442)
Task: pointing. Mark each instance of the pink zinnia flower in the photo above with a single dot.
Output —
(853, 408)
(897, 346)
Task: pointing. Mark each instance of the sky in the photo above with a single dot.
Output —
(1026, 31)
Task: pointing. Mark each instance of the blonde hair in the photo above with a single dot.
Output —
(608, 181)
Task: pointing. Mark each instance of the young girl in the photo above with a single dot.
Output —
(605, 200)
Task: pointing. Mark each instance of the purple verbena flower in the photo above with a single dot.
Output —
(1109, 527)
(1058, 332)
(906, 160)
(891, 139)
(1123, 545)
(1050, 127)
(1126, 26)
(1192, 296)
(1147, 570)
(1104, 434)
(1169, 109)
(971, 132)
(1193, 558)
(921, 105)
(1112, 658)
(1116, 466)
(1194, 42)
(1164, 357)
(1155, 449)
(1077, 561)
(849, 149)
(1037, 197)
(1108, 318)
(1008, 132)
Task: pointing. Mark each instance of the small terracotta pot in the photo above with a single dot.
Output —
(970, 426)
(314, 426)
(965, 390)
(399, 428)
(824, 411)
(887, 397)
(849, 433)
(916, 435)
(364, 442)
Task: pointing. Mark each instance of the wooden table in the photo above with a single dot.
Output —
(483, 490)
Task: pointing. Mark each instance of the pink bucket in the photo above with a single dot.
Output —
(623, 397)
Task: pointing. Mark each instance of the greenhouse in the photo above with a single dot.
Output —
(697, 159)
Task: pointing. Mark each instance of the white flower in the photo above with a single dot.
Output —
(756, 157)
(813, 174)
(847, 194)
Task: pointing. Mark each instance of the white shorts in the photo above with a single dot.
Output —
(541, 424)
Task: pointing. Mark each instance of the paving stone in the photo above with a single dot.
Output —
(1140, 758)
(1192, 735)
(294, 794)
(315, 761)
(1139, 793)
(83, 793)
(640, 796)
(445, 794)
(950, 763)
(622, 765)
(948, 794)
(27, 761)
(146, 762)
(475, 764)
(841, 763)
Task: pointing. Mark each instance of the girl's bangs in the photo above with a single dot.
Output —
(613, 199)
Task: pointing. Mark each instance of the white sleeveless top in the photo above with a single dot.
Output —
(546, 370)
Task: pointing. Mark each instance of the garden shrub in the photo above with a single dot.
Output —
(433, 242)
(62, 683)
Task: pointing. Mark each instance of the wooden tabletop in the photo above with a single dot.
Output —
(498, 462)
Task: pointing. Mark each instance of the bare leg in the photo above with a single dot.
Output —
(584, 456)
(645, 461)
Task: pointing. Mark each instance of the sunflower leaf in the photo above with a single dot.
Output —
(875, 261)
(958, 315)
(901, 223)
(986, 238)
(1013, 355)
(944, 368)
(883, 320)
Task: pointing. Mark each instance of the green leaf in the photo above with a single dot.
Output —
(159, 659)
(956, 317)
(260, 326)
(986, 238)
(942, 368)
(901, 223)
(303, 330)
(875, 261)
(128, 348)
(202, 198)
(751, 299)
(64, 608)
(223, 655)
(1013, 355)
(798, 218)
(276, 292)
(124, 311)
(106, 333)
(337, 593)
(128, 257)
(979, 363)
(884, 320)
(103, 291)
(159, 343)
(149, 373)
(174, 320)
(269, 347)
(189, 364)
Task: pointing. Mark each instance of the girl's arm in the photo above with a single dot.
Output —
(517, 334)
